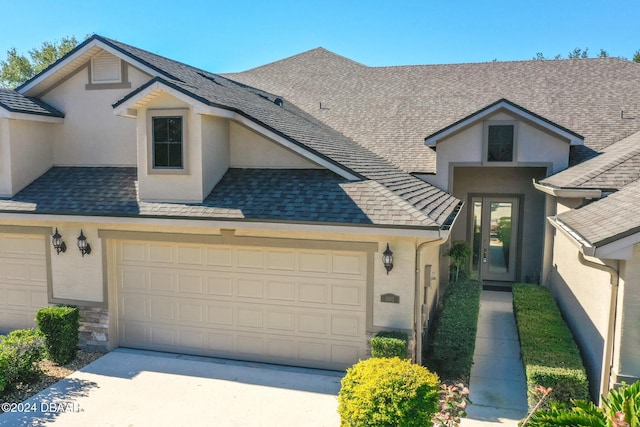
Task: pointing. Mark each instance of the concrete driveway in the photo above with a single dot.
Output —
(142, 388)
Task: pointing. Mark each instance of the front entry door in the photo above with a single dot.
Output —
(494, 237)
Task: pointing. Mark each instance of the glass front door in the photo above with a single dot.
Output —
(494, 237)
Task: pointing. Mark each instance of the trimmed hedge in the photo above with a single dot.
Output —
(454, 337)
(389, 344)
(60, 325)
(549, 352)
(388, 392)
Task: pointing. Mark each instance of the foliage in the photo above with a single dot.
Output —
(578, 53)
(60, 326)
(389, 344)
(460, 253)
(387, 392)
(636, 56)
(619, 409)
(549, 352)
(454, 337)
(18, 68)
(453, 405)
(20, 351)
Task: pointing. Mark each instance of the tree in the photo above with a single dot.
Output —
(579, 53)
(603, 54)
(636, 56)
(18, 68)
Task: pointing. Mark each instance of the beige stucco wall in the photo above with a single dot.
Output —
(31, 151)
(251, 150)
(5, 160)
(511, 181)
(626, 363)
(184, 185)
(583, 294)
(91, 134)
(533, 147)
(215, 151)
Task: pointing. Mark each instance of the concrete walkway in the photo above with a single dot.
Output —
(497, 384)
(139, 388)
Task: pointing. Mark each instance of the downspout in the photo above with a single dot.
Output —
(605, 378)
(417, 309)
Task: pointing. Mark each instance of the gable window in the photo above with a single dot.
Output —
(167, 137)
(500, 142)
(107, 71)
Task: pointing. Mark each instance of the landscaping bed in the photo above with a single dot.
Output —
(51, 374)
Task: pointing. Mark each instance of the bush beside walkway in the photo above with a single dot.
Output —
(550, 355)
(451, 348)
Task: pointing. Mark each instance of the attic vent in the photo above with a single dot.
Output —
(105, 68)
(279, 102)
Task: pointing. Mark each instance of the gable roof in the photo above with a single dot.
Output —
(507, 106)
(15, 102)
(434, 207)
(616, 167)
(391, 109)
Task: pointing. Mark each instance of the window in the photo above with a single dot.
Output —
(167, 137)
(500, 143)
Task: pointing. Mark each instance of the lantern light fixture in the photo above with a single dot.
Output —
(83, 245)
(58, 244)
(387, 259)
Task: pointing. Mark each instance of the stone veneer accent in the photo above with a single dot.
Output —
(94, 329)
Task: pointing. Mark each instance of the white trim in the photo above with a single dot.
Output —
(571, 193)
(6, 114)
(107, 221)
(126, 109)
(78, 54)
(432, 140)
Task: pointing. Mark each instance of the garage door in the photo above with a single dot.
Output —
(289, 306)
(23, 280)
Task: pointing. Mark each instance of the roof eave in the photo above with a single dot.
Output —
(571, 193)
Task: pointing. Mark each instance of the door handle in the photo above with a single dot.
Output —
(484, 255)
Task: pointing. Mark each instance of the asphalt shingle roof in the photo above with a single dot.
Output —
(436, 207)
(390, 110)
(608, 219)
(15, 102)
(618, 166)
(292, 195)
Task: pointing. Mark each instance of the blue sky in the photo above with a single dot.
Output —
(226, 36)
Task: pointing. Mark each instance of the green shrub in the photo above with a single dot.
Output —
(389, 344)
(549, 352)
(454, 336)
(387, 392)
(619, 408)
(20, 352)
(60, 326)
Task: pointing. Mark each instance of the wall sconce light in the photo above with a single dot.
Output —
(58, 244)
(387, 259)
(85, 248)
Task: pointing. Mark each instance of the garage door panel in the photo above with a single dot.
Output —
(159, 253)
(289, 306)
(133, 252)
(23, 280)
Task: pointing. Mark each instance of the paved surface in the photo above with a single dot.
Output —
(497, 384)
(142, 388)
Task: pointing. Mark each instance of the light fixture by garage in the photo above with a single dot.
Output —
(58, 244)
(83, 245)
(387, 259)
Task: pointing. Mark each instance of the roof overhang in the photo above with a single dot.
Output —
(572, 193)
(507, 106)
(77, 58)
(14, 115)
(129, 106)
(618, 247)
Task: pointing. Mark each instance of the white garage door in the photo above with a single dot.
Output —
(289, 306)
(23, 280)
